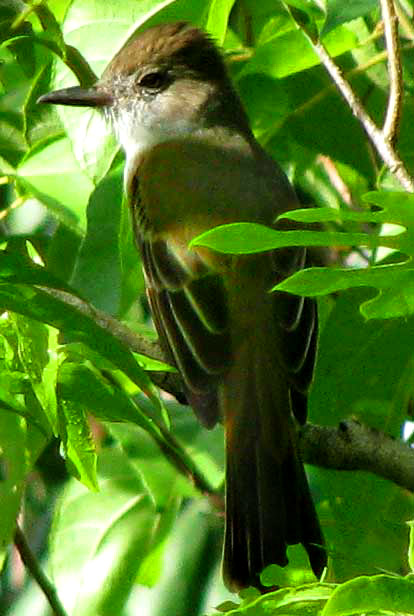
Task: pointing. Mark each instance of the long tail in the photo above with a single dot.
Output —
(268, 502)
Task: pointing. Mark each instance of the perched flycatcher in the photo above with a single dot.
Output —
(245, 355)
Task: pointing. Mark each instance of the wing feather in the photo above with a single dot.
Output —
(190, 316)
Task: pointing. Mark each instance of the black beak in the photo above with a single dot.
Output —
(78, 97)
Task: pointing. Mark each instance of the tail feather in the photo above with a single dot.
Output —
(255, 522)
(268, 502)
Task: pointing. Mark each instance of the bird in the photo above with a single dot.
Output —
(245, 355)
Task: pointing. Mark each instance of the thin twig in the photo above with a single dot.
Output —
(406, 21)
(32, 564)
(393, 115)
(317, 98)
(383, 147)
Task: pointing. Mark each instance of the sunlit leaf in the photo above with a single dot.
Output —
(100, 539)
(368, 594)
(37, 348)
(44, 173)
(291, 52)
(218, 15)
(78, 444)
(99, 251)
(246, 238)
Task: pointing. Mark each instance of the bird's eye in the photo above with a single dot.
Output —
(153, 81)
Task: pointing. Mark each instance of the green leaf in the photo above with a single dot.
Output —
(368, 594)
(45, 172)
(188, 564)
(304, 16)
(218, 16)
(265, 117)
(98, 31)
(360, 368)
(16, 391)
(20, 65)
(330, 214)
(50, 25)
(153, 365)
(16, 268)
(393, 302)
(62, 252)
(316, 281)
(291, 52)
(36, 127)
(302, 601)
(162, 479)
(97, 274)
(411, 545)
(59, 8)
(247, 238)
(86, 386)
(132, 276)
(395, 283)
(99, 540)
(204, 446)
(11, 398)
(397, 208)
(339, 12)
(167, 487)
(12, 145)
(77, 442)
(23, 434)
(152, 566)
(43, 307)
(364, 371)
(64, 315)
(398, 204)
(13, 469)
(37, 348)
(238, 238)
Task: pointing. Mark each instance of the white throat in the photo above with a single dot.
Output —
(136, 137)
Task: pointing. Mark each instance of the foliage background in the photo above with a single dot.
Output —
(118, 528)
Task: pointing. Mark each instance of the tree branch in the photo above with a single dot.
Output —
(168, 381)
(393, 115)
(32, 564)
(383, 146)
(350, 446)
(353, 446)
(357, 70)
